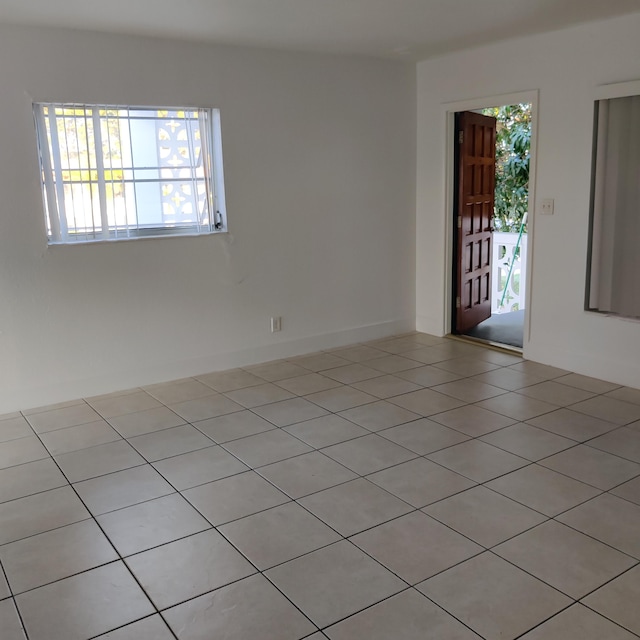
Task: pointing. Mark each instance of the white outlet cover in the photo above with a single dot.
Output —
(547, 207)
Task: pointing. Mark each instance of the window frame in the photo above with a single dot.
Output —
(601, 93)
(109, 230)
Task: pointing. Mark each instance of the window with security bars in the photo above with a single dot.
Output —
(117, 173)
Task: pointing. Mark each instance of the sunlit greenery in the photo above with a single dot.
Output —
(513, 145)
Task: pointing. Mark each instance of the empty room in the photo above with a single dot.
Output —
(256, 263)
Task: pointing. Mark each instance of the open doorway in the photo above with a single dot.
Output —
(491, 204)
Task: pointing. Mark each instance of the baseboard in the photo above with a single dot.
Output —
(23, 399)
(622, 373)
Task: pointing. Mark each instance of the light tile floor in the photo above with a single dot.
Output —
(406, 488)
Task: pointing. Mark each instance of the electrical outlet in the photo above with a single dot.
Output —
(276, 324)
(546, 207)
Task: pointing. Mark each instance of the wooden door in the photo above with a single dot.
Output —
(476, 161)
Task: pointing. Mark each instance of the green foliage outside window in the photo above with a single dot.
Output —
(513, 144)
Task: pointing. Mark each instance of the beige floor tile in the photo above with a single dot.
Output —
(355, 506)
(398, 345)
(386, 386)
(279, 370)
(379, 415)
(619, 599)
(287, 412)
(80, 437)
(306, 474)
(52, 407)
(621, 442)
(74, 608)
(609, 409)
(179, 391)
(629, 490)
(122, 489)
(137, 424)
(198, 467)
(555, 393)
(187, 568)
(540, 370)
(423, 436)
(340, 399)
(571, 424)
(626, 394)
(170, 442)
(368, 454)
(325, 431)
(528, 442)
(612, 520)
(151, 628)
(233, 426)
(415, 546)
(205, 407)
(27, 479)
(473, 420)
(345, 580)
(597, 468)
(223, 381)
(426, 402)
(279, 534)
(544, 490)
(427, 355)
(359, 353)
(14, 428)
(578, 623)
(10, 622)
(40, 512)
(588, 384)
(508, 379)
(405, 616)
(47, 557)
(393, 364)
(494, 598)
(251, 608)
(469, 390)
(484, 516)
(123, 404)
(15, 452)
(99, 460)
(566, 559)
(478, 461)
(60, 418)
(350, 373)
(517, 406)
(499, 357)
(320, 362)
(150, 524)
(428, 376)
(235, 497)
(4, 587)
(311, 383)
(266, 448)
(258, 395)
(467, 365)
(420, 482)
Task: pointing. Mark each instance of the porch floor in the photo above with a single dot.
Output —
(505, 328)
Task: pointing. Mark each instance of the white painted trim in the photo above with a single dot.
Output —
(449, 109)
(617, 90)
(151, 374)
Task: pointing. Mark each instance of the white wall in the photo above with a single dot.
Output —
(320, 181)
(565, 66)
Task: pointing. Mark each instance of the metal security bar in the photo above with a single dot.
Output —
(112, 173)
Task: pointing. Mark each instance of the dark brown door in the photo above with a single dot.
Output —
(476, 142)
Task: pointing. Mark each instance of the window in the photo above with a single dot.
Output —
(116, 173)
(613, 285)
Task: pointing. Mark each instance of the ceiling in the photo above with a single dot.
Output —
(406, 29)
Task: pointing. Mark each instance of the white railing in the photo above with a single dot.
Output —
(504, 246)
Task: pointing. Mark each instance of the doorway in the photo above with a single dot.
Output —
(491, 195)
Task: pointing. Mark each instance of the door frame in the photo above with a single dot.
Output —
(449, 109)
